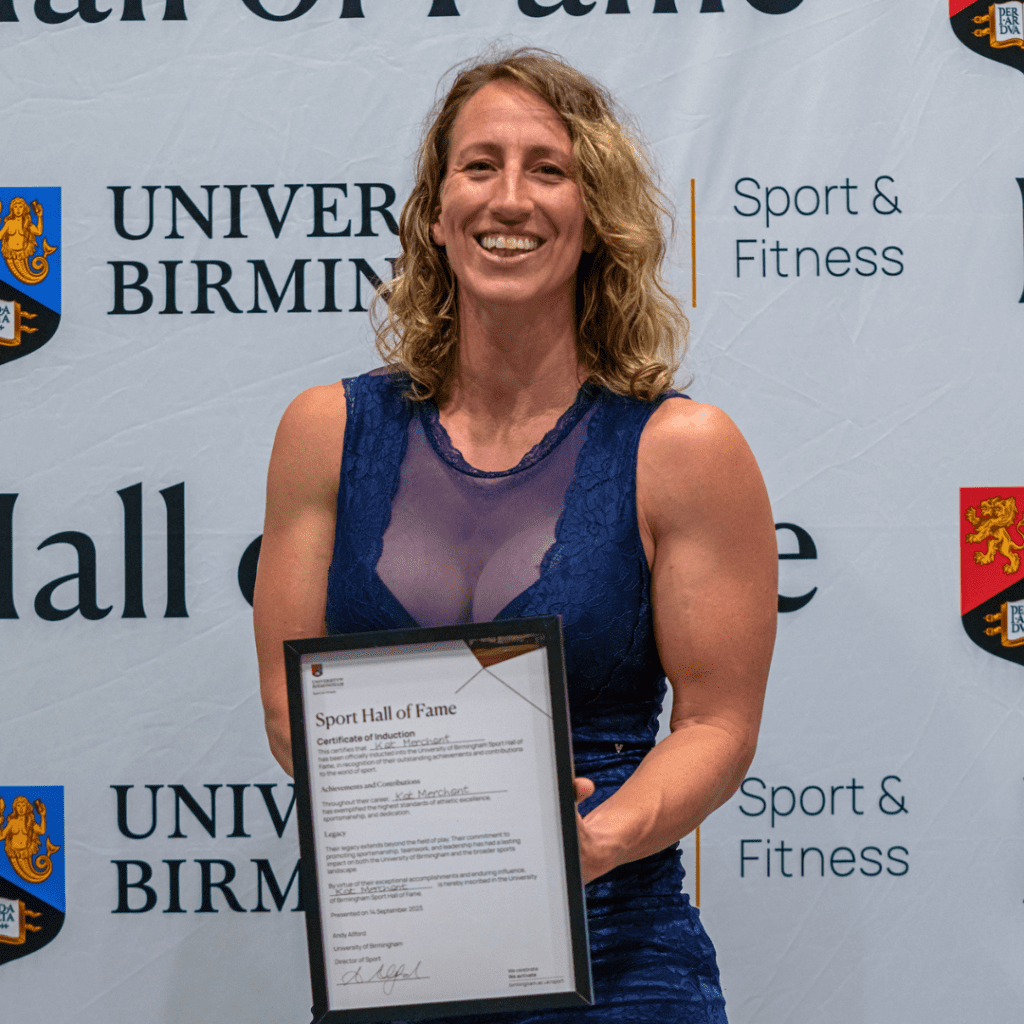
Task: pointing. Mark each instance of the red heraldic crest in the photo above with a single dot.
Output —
(991, 28)
(992, 569)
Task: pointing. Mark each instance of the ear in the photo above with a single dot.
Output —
(437, 232)
(590, 239)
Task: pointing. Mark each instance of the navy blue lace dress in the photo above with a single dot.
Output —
(424, 539)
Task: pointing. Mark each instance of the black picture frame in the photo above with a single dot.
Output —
(543, 631)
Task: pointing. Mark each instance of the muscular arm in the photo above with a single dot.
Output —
(298, 540)
(707, 529)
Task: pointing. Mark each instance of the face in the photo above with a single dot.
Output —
(511, 218)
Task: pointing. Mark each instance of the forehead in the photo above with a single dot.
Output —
(505, 112)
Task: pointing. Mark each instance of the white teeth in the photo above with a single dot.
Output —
(501, 242)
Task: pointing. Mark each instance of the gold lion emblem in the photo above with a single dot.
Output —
(18, 235)
(20, 834)
(993, 526)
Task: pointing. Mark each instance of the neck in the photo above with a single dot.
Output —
(517, 372)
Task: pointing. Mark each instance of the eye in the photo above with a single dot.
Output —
(551, 169)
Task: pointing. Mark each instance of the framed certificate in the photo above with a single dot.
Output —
(441, 870)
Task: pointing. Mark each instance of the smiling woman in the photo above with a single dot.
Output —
(523, 454)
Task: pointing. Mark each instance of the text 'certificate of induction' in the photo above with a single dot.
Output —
(437, 824)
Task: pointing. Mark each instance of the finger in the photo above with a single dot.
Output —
(583, 789)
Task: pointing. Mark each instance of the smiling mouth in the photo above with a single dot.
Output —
(508, 243)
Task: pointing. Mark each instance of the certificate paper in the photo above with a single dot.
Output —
(433, 770)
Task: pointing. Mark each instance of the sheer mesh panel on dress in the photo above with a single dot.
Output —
(462, 542)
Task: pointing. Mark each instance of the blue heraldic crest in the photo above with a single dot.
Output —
(31, 868)
(30, 264)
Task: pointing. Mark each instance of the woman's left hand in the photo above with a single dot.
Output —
(589, 852)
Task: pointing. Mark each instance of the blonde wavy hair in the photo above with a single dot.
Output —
(630, 331)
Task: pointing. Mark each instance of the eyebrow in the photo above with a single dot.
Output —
(494, 149)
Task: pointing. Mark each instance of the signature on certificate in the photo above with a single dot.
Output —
(387, 976)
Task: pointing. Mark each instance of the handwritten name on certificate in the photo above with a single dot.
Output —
(439, 851)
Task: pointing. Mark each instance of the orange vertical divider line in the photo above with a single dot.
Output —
(693, 259)
(696, 885)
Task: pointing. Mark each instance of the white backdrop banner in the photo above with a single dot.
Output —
(198, 199)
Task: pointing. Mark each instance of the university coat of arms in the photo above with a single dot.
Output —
(31, 868)
(993, 30)
(992, 569)
(30, 264)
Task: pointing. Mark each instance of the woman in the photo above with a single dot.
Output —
(523, 455)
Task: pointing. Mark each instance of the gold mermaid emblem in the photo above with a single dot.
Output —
(20, 834)
(18, 235)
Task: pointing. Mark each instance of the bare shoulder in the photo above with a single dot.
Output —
(316, 413)
(687, 441)
(680, 423)
(308, 444)
(694, 462)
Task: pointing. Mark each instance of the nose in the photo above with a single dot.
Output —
(511, 202)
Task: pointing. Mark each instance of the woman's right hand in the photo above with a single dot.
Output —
(298, 542)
